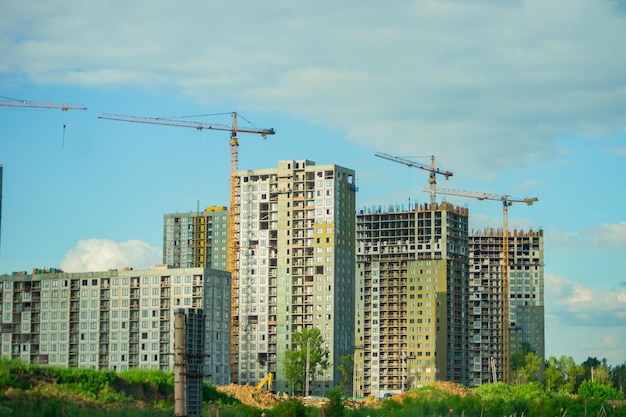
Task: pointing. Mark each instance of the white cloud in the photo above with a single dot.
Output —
(619, 151)
(606, 236)
(582, 323)
(496, 81)
(584, 306)
(101, 255)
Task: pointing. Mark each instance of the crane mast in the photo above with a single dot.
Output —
(233, 244)
(432, 169)
(507, 201)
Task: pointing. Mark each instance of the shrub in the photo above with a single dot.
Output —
(598, 390)
(289, 408)
(335, 405)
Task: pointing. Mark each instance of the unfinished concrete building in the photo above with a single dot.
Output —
(526, 300)
(412, 293)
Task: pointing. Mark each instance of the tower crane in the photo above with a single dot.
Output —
(507, 201)
(41, 104)
(11, 102)
(430, 168)
(233, 245)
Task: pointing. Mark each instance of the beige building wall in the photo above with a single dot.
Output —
(295, 232)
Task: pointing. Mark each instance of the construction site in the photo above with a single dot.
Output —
(427, 300)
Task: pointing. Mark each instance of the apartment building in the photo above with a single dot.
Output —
(196, 239)
(412, 293)
(295, 267)
(113, 319)
(526, 299)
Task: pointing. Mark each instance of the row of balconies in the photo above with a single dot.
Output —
(301, 320)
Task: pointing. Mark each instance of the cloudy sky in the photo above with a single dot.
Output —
(524, 97)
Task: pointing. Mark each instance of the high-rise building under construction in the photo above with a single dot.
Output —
(196, 239)
(412, 293)
(526, 300)
(295, 267)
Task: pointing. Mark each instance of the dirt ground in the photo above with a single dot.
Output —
(250, 395)
(255, 397)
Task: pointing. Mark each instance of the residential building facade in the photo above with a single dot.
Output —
(411, 324)
(295, 268)
(196, 239)
(113, 319)
(526, 300)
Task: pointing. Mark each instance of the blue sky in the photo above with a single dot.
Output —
(525, 98)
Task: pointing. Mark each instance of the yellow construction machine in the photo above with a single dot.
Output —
(268, 380)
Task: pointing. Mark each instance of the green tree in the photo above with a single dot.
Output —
(335, 406)
(525, 365)
(618, 376)
(552, 378)
(589, 364)
(529, 372)
(562, 374)
(290, 408)
(602, 374)
(574, 374)
(518, 360)
(598, 390)
(294, 369)
(596, 370)
(346, 367)
(307, 347)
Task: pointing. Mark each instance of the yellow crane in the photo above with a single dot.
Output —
(233, 246)
(430, 168)
(507, 201)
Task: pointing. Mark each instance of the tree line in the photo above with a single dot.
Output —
(309, 359)
(563, 374)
